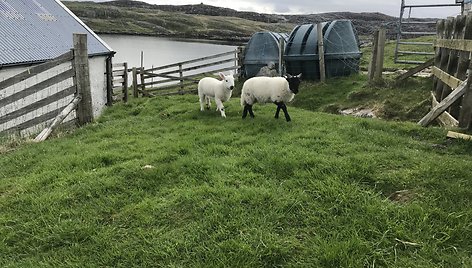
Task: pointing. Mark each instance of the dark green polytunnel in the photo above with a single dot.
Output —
(342, 53)
(262, 48)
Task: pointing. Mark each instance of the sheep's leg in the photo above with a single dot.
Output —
(208, 102)
(284, 108)
(251, 113)
(248, 108)
(278, 109)
(245, 111)
(220, 107)
(202, 101)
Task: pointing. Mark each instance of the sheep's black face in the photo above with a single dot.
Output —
(294, 82)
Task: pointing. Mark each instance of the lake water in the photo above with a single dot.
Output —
(159, 51)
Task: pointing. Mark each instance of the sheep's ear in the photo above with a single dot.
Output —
(222, 75)
(288, 76)
(299, 76)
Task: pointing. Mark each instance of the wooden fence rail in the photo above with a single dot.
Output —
(30, 100)
(119, 84)
(452, 84)
(179, 75)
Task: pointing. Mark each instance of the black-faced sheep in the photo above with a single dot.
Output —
(277, 90)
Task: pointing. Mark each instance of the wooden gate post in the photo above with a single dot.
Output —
(143, 81)
(82, 77)
(465, 116)
(373, 60)
(281, 56)
(181, 74)
(109, 75)
(240, 61)
(135, 83)
(380, 53)
(125, 82)
(321, 52)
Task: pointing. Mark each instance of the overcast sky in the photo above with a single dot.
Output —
(389, 7)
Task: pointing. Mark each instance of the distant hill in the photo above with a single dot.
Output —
(210, 22)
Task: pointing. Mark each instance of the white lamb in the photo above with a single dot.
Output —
(278, 90)
(209, 87)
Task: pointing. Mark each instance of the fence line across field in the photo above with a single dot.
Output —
(452, 87)
(182, 74)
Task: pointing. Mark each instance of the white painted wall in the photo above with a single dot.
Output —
(98, 84)
(97, 67)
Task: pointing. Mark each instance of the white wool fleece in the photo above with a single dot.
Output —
(266, 90)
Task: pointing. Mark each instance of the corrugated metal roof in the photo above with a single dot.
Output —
(33, 31)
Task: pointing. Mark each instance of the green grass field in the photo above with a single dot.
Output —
(157, 183)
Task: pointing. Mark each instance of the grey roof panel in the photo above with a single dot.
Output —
(33, 31)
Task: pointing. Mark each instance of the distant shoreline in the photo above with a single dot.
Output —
(229, 42)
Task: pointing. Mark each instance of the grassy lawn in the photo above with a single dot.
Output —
(158, 183)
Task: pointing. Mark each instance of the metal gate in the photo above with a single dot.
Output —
(403, 52)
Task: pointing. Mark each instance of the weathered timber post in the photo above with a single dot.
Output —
(125, 82)
(109, 75)
(82, 76)
(465, 116)
(181, 74)
(240, 60)
(463, 64)
(321, 52)
(281, 56)
(135, 83)
(235, 61)
(441, 87)
(380, 53)
(452, 65)
(445, 60)
(437, 83)
(373, 60)
(143, 86)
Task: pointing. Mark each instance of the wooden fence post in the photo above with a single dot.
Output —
(441, 87)
(448, 56)
(240, 60)
(143, 86)
(380, 54)
(373, 60)
(437, 83)
(125, 82)
(465, 116)
(281, 56)
(109, 75)
(236, 68)
(321, 52)
(452, 65)
(181, 74)
(135, 82)
(82, 76)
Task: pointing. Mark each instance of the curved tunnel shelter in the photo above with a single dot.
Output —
(342, 54)
(262, 48)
